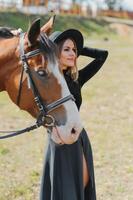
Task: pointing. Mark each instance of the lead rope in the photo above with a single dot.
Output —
(12, 133)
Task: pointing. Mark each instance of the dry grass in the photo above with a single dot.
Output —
(107, 114)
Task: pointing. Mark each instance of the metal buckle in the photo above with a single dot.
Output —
(48, 121)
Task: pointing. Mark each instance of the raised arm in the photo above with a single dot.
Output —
(92, 68)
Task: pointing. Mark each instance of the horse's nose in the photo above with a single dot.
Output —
(73, 131)
(74, 134)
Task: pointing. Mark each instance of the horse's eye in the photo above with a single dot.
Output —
(42, 72)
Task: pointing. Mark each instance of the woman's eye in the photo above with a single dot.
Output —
(66, 49)
(42, 73)
(74, 50)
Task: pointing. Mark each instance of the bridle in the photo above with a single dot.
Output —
(43, 119)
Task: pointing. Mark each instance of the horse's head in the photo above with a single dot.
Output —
(41, 89)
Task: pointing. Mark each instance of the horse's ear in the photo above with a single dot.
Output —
(48, 26)
(34, 31)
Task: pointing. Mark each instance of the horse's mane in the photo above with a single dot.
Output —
(5, 32)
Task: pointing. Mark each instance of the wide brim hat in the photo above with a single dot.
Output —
(73, 34)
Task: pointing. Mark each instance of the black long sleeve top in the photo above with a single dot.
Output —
(85, 73)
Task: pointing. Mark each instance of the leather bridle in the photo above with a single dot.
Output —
(43, 119)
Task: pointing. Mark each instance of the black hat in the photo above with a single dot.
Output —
(74, 34)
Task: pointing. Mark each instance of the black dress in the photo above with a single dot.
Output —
(62, 177)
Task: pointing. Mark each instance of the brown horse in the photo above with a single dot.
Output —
(30, 73)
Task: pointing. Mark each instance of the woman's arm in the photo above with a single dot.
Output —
(92, 68)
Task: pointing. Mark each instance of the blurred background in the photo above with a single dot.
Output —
(82, 7)
(107, 108)
(93, 8)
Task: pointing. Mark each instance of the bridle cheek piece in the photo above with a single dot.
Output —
(43, 119)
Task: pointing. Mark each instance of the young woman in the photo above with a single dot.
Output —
(68, 170)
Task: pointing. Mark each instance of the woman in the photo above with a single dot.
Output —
(68, 170)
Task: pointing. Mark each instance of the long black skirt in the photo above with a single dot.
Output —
(62, 177)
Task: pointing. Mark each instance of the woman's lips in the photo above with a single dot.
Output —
(70, 59)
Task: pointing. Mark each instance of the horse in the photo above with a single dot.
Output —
(31, 75)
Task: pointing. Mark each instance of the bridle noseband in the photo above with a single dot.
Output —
(43, 119)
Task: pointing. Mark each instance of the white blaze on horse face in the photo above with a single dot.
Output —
(67, 133)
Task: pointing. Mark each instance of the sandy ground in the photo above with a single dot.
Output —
(107, 115)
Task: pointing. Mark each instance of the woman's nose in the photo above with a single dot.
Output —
(72, 53)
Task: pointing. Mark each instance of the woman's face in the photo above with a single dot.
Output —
(68, 54)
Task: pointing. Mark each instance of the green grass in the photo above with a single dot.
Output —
(4, 150)
(86, 25)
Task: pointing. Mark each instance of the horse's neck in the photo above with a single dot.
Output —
(7, 59)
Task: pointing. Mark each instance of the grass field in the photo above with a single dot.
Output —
(62, 22)
(107, 115)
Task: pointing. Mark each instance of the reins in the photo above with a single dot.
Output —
(43, 119)
(18, 132)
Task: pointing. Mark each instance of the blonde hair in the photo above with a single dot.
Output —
(73, 70)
